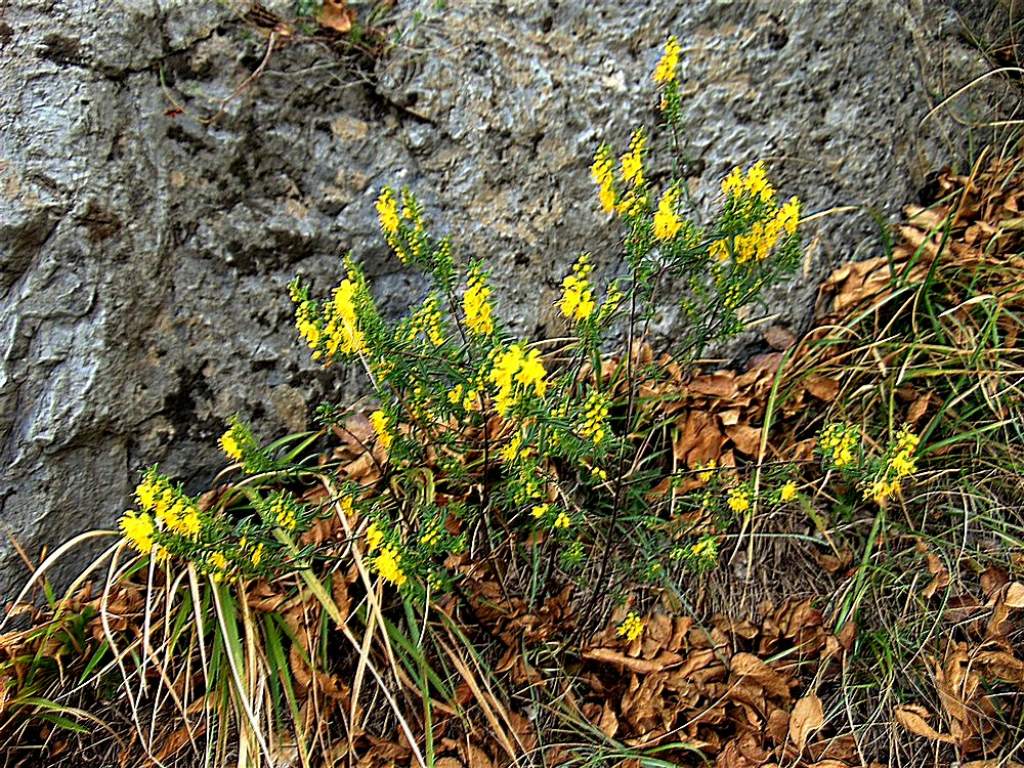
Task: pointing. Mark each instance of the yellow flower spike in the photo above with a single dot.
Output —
(388, 565)
(374, 537)
(665, 71)
(631, 628)
(230, 446)
(387, 212)
(476, 305)
(707, 471)
(382, 426)
(733, 183)
(738, 500)
(138, 530)
(632, 162)
(343, 330)
(666, 222)
(788, 492)
(602, 173)
(577, 300)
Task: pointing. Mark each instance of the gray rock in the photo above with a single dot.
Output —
(152, 210)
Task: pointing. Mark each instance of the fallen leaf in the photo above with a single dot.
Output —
(912, 718)
(336, 15)
(807, 718)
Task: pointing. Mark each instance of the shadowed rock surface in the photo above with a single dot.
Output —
(151, 214)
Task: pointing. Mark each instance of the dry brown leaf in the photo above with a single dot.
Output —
(640, 666)
(807, 718)
(1014, 596)
(912, 718)
(608, 723)
(749, 665)
(336, 15)
(823, 388)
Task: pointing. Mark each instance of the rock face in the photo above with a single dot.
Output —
(156, 197)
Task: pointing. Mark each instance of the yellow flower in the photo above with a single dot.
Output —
(431, 537)
(707, 471)
(788, 216)
(190, 522)
(138, 529)
(256, 556)
(563, 521)
(788, 492)
(719, 251)
(513, 367)
(632, 627)
(738, 500)
(218, 565)
(540, 510)
(837, 442)
(602, 173)
(706, 547)
(382, 426)
(665, 71)
(476, 305)
(374, 537)
(733, 183)
(388, 564)
(342, 330)
(283, 514)
(230, 446)
(633, 161)
(756, 183)
(595, 417)
(387, 212)
(577, 300)
(666, 222)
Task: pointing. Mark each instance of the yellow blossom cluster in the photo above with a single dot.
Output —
(788, 492)
(738, 500)
(172, 510)
(665, 71)
(603, 173)
(342, 329)
(595, 417)
(382, 426)
(466, 398)
(138, 529)
(307, 322)
(753, 185)
(387, 213)
(704, 551)
(374, 537)
(283, 513)
(476, 304)
(837, 443)
(540, 510)
(666, 221)
(775, 221)
(632, 162)
(428, 321)
(901, 464)
(631, 628)
(513, 372)
(431, 536)
(218, 567)
(577, 301)
(230, 445)
(388, 565)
